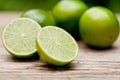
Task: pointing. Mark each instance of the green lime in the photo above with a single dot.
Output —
(42, 17)
(56, 46)
(67, 14)
(19, 37)
(99, 27)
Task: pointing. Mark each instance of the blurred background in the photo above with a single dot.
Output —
(22, 5)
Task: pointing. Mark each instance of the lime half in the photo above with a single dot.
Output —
(56, 46)
(19, 37)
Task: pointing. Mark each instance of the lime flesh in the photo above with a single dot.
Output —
(56, 46)
(19, 37)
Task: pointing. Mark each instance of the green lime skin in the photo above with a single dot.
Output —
(99, 27)
(67, 14)
(44, 18)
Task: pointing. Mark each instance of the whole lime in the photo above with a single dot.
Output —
(67, 14)
(99, 27)
(42, 17)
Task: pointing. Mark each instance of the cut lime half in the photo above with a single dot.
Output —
(19, 37)
(56, 46)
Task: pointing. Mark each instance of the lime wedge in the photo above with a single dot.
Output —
(19, 37)
(56, 46)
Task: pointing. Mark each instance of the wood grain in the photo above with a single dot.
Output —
(90, 64)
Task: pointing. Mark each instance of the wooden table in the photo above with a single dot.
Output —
(90, 64)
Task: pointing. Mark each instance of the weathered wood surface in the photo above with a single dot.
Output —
(90, 64)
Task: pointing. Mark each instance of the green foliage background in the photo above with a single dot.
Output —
(18, 5)
(21, 5)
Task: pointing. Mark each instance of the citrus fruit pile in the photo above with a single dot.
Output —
(23, 37)
(53, 34)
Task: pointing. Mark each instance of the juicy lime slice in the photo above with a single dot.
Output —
(56, 46)
(19, 37)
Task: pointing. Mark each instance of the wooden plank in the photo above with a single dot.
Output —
(90, 64)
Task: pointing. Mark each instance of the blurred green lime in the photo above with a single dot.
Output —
(99, 27)
(67, 14)
(42, 17)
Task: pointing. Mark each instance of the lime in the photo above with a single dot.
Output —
(42, 17)
(99, 27)
(56, 46)
(67, 14)
(19, 37)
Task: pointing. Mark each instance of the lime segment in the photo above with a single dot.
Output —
(19, 37)
(56, 46)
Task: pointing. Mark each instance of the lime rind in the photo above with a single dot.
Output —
(8, 48)
(47, 57)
